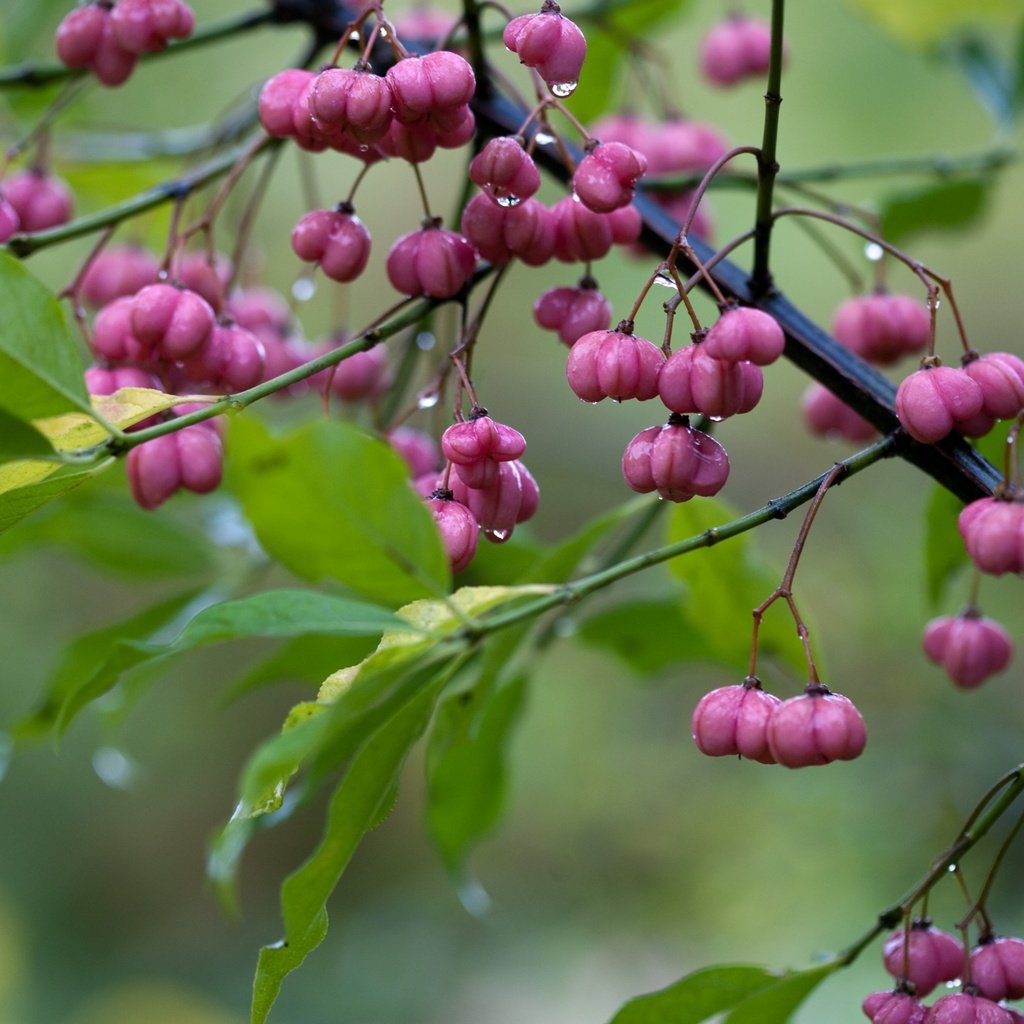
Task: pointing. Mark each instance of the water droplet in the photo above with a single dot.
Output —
(303, 289)
(427, 400)
(665, 281)
(114, 767)
(543, 138)
(564, 626)
(354, 37)
(425, 341)
(936, 302)
(497, 536)
(952, 868)
(563, 89)
(384, 32)
(507, 201)
(873, 251)
(474, 898)
(716, 419)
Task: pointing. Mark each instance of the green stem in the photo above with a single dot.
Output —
(767, 165)
(167, 191)
(35, 75)
(777, 508)
(1013, 782)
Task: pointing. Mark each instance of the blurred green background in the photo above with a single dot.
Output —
(626, 858)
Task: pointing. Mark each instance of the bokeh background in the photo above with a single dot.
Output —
(626, 859)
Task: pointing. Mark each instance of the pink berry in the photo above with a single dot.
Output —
(419, 450)
(117, 271)
(893, 1007)
(426, 23)
(692, 381)
(676, 461)
(361, 376)
(79, 34)
(829, 416)
(41, 200)
(505, 171)
(733, 720)
(154, 473)
(113, 338)
(924, 956)
(968, 647)
(511, 499)
(614, 364)
(962, 1008)
(817, 727)
(277, 100)
(680, 145)
(997, 969)
(551, 44)
(135, 27)
(336, 239)
(425, 87)
(207, 276)
(259, 309)
(499, 233)
(1000, 376)
(477, 445)
(176, 321)
(200, 457)
(357, 103)
(735, 49)
(742, 333)
(606, 177)
(432, 261)
(581, 234)
(933, 400)
(112, 64)
(883, 328)
(459, 529)
(573, 312)
(233, 358)
(993, 532)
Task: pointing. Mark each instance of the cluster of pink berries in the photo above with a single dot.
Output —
(816, 727)
(717, 376)
(881, 328)
(549, 43)
(484, 487)
(33, 200)
(924, 957)
(109, 36)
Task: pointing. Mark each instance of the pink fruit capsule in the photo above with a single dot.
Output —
(431, 261)
(744, 334)
(614, 364)
(676, 461)
(968, 647)
(817, 727)
(573, 312)
(606, 177)
(459, 530)
(933, 400)
(733, 720)
(551, 44)
(505, 171)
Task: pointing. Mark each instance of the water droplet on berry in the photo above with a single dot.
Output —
(114, 768)
(303, 289)
(427, 400)
(425, 341)
(498, 536)
(716, 419)
(563, 89)
(543, 139)
(507, 201)
(873, 251)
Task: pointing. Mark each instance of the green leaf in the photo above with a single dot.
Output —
(306, 659)
(40, 369)
(21, 440)
(925, 22)
(947, 206)
(328, 501)
(85, 656)
(724, 584)
(988, 73)
(779, 1001)
(944, 551)
(466, 776)
(356, 806)
(19, 502)
(698, 996)
(276, 613)
(108, 529)
(647, 636)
